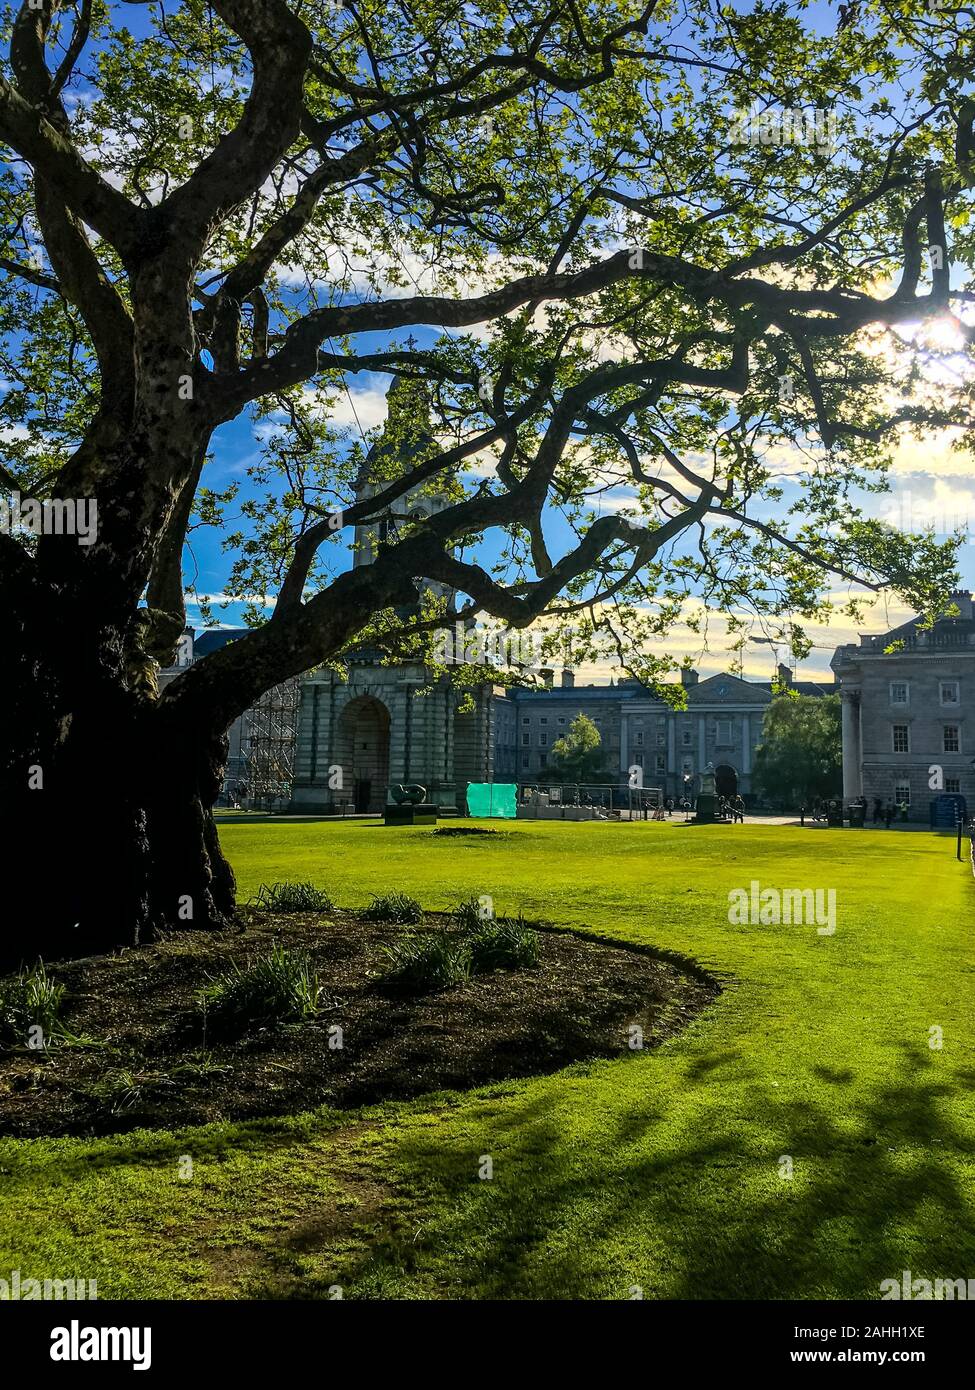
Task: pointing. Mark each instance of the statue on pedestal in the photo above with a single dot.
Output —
(706, 797)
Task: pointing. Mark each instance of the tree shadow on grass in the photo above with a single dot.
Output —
(760, 1197)
(79, 1157)
(602, 1185)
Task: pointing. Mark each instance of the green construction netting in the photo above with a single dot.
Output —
(492, 799)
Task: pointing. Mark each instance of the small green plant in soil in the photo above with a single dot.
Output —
(502, 943)
(292, 897)
(394, 907)
(468, 914)
(31, 1000)
(278, 987)
(423, 964)
(122, 1088)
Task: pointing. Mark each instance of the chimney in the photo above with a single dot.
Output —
(784, 675)
(688, 676)
(962, 600)
(568, 679)
(547, 675)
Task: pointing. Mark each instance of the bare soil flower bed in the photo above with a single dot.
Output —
(142, 1056)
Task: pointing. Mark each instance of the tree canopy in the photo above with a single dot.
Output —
(620, 282)
(800, 757)
(578, 754)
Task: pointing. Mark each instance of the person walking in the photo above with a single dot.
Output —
(888, 814)
(739, 809)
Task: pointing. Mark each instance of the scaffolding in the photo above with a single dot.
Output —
(270, 735)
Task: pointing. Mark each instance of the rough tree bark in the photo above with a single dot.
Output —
(107, 788)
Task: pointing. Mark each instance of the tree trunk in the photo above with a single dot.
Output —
(109, 834)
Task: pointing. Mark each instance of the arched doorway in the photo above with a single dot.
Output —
(364, 753)
(726, 781)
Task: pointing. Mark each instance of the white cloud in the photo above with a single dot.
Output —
(931, 455)
(363, 409)
(265, 600)
(709, 650)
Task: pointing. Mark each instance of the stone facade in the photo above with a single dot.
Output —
(388, 724)
(379, 725)
(909, 712)
(385, 725)
(722, 724)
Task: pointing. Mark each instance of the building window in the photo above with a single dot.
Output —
(724, 732)
(949, 692)
(639, 738)
(542, 740)
(953, 784)
(524, 764)
(526, 739)
(902, 793)
(526, 720)
(952, 738)
(638, 759)
(901, 737)
(543, 720)
(899, 693)
(660, 765)
(661, 740)
(687, 737)
(562, 720)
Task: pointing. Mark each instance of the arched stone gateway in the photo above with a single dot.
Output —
(726, 781)
(364, 752)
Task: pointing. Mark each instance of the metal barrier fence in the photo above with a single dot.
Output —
(628, 803)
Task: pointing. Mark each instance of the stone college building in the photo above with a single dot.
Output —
(390, 724)
(909, 712)
(353, 736)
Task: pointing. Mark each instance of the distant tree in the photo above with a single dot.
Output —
(800, 756)
(578, 755)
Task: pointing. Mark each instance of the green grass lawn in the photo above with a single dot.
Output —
(663, 1172)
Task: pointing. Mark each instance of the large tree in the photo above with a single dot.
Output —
(800, 757)
(578, 754)
(555, 225)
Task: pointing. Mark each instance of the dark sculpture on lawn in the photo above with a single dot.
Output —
(706, 803)
(412, 794)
